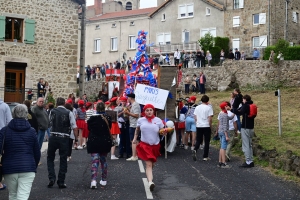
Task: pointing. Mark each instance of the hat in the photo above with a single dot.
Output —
(123, 99)
(223, 105)
(88, 104)
(148, 106)
(193, 98)
(80, 102)
(69, 101)
(131, 95)
(107, 102)
(113, 99)
(99, 101)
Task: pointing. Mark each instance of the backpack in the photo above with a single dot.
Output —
(252, 110)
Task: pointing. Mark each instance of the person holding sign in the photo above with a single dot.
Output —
(149, 146)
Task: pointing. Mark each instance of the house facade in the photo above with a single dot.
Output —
(38, 39)
(179, 24)
(110, 35)
(257, 24)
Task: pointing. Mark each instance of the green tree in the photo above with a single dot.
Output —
(206, 42)
(50, 98)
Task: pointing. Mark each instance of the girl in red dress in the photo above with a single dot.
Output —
(115, 130)
(81, 125)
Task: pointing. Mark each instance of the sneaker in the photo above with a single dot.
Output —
(103, 183)
(201, 146)
(79, 147)
(245, 165)
(113, 157)
(93, 185)
(186, 147)
(206, 159)
(83, 146)
(151, 186)
(69, 158)
(39, 163)
(220, 164)
(228, 158)
(194, 152)
(225, 166)
(132, 158)
(192, 148)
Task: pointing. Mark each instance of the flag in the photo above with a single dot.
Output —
(173, 82)
(156, 50)
(170, 96)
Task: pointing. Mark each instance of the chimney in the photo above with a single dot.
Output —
(98, 7)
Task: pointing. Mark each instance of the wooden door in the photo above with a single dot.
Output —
(14, 85)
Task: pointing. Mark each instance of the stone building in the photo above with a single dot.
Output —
(251, 24)
(38, 39)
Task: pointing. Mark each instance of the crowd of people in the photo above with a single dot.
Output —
(76, 124)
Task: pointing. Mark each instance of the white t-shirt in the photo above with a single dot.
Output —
(149, 131)
(229, 113)
(202, 112)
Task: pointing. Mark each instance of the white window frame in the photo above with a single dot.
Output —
(240, 4)
(237, 41)
(295, 17)
(236, 21)
(262, 41)
(208, 11)
(97, 45)
(185, 12)
(164, 38)
(131, 42)
(261, 18)
(211, 30)
(114, 44)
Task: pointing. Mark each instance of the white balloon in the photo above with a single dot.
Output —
(170, 124)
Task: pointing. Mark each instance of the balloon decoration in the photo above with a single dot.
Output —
(140, 64)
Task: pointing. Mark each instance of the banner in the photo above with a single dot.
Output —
(111, 86)
(145, 94)
(115, 72)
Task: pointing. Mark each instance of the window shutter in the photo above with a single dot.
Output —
(167, 38)
(182, 10)
(241, 4)
(262, 18)
(263, 41)
(190, 9)
(29, 31)
(236, 43)
(160, 39)
(236, 21)
(2, 28)
(294, 17)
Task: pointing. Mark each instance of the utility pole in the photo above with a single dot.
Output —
(82, 51)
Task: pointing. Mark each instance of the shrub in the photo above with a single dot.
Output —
(206, 42)
(223, 43)
(215, 53)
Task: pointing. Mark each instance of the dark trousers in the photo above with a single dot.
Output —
(202, 63)
(88, 77)
(202, 88)
(186, 62)
(206, 132)
(70, 147)
(176, 61)
(124, 145)
(187, 88)
(62, 144)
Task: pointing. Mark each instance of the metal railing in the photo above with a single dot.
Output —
(21, 91)
(171, 48)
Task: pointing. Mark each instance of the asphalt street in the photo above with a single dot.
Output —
(176, 178)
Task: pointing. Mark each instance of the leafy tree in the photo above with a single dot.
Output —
(206, 42)
(50, 98)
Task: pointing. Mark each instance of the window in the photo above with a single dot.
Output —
(236, 43)
(236, 21)
(131, 41)
(113, 25)
(97, 45)
(212, 31)
(295, 17)
(163, 38)
(260, 41)
(163, 17)
(185, 36)
(238, 4)
(97, 27)
(259, 18)
(132, 23)
(128, 6)
(114, 44)
(11, 29)
(185, 11)
(207, 11)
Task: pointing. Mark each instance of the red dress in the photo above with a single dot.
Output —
(114, 130)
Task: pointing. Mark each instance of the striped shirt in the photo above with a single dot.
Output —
(89, 113)
(224, 122)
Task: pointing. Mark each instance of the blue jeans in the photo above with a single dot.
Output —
(187, 88)
(40, 137)
(202, 88)
(48, 133)
(239, 125)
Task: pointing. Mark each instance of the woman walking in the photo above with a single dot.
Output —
(21, 154)
(99, 143)
(81, 125)
(148, 148)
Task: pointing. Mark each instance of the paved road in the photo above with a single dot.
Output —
(176, 178)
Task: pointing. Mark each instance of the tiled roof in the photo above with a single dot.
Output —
(125, 13)
(210, 2)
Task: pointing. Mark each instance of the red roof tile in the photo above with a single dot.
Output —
(125, 13)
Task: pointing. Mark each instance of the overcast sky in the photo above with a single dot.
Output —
(144, 3)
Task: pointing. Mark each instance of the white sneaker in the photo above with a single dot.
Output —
(201, 146)
(192, 148)
(132, 158)
(151, 186)
(103, 183)
(93, 185)
(113, 157)
(186, 147)
(69, 158)
(80, 147)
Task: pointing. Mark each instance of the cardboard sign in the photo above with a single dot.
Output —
(145, 94)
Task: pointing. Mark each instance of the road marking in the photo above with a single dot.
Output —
(141, 166)
(147, 189)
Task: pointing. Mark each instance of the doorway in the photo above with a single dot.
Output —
(14, 82)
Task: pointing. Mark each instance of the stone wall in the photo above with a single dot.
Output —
(246, 72)
(92, 88)
(53, 56)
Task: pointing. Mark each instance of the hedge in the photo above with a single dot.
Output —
(290, 53)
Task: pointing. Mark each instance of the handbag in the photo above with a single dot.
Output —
(1, 152)
(114, 142)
